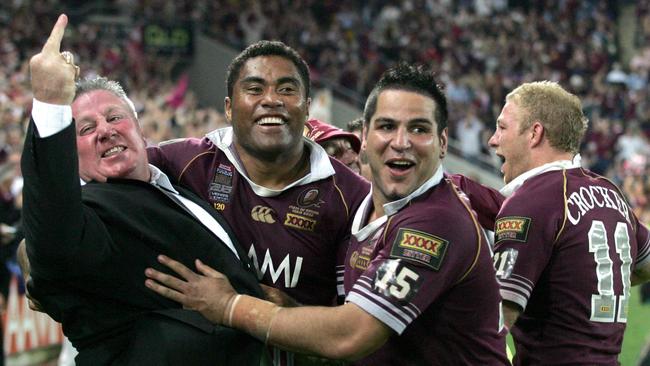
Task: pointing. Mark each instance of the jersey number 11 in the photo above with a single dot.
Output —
(604, 304)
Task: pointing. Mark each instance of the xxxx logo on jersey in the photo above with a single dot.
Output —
(420, 247)
(512, 228)
(359, 261)
(263, 214)
(299, 222)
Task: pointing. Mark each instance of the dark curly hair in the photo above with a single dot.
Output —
(415, 78)
(267, 48)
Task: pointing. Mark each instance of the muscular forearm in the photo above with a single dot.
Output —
(342, 332)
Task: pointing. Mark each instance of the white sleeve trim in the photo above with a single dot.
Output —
(514, 297)
(50, 118)
(378, 312)
(643, 256)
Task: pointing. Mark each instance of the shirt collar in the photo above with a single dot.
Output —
(320, 165)
(392, 208)
(160, 179)
(511, 187)
(362, 232)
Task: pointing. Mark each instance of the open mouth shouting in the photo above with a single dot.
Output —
(400, 166)
(503, 161)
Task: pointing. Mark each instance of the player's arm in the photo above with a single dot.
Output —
(342, 332)
(522, 251)
(641, 273)
(511, 312)
(278, 297)
(485, 201)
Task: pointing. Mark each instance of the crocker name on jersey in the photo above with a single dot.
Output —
(566, 261)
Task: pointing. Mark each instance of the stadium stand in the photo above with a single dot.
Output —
(480, 48)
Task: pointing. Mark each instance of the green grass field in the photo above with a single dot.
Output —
(638, 330)
(636, 333)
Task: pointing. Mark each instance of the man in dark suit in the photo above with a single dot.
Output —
(89, 246)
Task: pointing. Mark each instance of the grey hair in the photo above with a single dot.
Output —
(89, 84)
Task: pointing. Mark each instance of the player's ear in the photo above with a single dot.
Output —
(364, 137)
(444, 142)
(536, 133)
(227, 107)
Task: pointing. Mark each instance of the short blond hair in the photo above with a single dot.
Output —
(559, 111)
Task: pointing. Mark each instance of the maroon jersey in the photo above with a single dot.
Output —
(566, 242)
(485, 201)
(294, 236)
(425, 270)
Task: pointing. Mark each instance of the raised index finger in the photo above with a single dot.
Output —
(53, 43)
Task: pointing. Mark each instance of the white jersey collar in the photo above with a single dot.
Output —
(514, 184)
(362, 232)
(391, 208)
(320, 166)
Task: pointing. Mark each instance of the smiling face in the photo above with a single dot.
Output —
(511, 143)
(268, 108)
(402, 144)
(109, 140)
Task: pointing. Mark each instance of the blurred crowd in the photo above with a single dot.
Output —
(481, 49)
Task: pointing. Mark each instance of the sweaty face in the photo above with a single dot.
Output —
(510, 143)
(268, 108)
(402, 144)
(109, 140)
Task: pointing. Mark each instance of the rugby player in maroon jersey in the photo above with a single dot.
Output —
(289, 204)
(420, 284)
(568, 246)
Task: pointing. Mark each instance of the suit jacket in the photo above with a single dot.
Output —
(89, 246)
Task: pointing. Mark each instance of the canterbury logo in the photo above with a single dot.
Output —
(263, 214)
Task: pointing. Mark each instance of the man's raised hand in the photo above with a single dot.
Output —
(53, 73)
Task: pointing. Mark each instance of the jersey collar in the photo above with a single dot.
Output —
(362, 232)
(392, 208)
(320, 166)
(514, 184)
